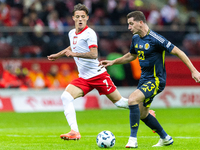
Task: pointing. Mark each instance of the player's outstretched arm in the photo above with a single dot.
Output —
(92, 54)
(53, 57)
(106, 63)
(128, 57)
(195, 73)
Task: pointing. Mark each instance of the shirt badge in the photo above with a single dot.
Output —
(147, 46)
(75, 40)
(141, 46)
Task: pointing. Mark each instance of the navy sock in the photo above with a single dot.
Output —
(153, 123)
(134, 119)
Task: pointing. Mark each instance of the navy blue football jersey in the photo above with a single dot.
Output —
(151, 53)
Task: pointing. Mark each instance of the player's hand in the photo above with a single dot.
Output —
(52, 57)
(196, 76)
(105, 63)
(69, 53)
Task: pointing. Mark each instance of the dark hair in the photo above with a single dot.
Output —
(137, 16)
(79, 7)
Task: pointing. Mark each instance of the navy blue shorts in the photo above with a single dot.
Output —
(150, 89)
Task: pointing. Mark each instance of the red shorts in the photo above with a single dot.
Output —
(102, 83)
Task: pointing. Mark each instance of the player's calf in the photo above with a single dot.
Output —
(152, 112)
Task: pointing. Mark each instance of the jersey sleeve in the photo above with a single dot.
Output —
(70, 35)
(92, 40)
(70, 32)
(164, 44)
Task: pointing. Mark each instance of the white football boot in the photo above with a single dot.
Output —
(132, 143)
(164, 142)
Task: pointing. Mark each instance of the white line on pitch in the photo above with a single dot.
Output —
(178, 137)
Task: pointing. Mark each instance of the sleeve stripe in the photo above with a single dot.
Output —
(157, 37)
(93, 46)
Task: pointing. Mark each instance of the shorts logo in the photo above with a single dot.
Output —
(109, 89)
(147, 46)
(75, 40)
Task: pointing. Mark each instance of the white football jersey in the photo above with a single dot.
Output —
(81, 43)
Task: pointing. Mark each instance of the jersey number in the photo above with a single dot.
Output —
(106, 82)
(149, 86)
(141, 55)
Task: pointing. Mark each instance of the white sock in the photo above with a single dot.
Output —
(69, 110)
(122, 103)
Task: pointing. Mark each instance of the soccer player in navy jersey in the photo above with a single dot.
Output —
(150, 48)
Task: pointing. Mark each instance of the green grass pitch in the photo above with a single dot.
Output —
(41, 131)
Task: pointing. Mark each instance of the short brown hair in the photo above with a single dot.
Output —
(79, 7)
(137, 15)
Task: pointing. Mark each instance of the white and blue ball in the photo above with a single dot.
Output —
(105, 139)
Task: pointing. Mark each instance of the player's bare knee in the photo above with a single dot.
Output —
(132, 101)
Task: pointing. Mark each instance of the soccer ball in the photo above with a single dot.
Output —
(105, 139)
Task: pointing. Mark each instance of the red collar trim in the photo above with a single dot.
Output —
(82, 30)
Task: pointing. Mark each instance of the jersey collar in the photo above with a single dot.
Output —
(148, 32)
(82, 30)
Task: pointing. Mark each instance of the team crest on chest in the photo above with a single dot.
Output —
(147, 46)
(75, 39)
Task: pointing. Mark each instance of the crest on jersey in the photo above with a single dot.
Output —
(75, 40)
(147, 46)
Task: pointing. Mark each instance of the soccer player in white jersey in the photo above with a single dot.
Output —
(83, 48)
